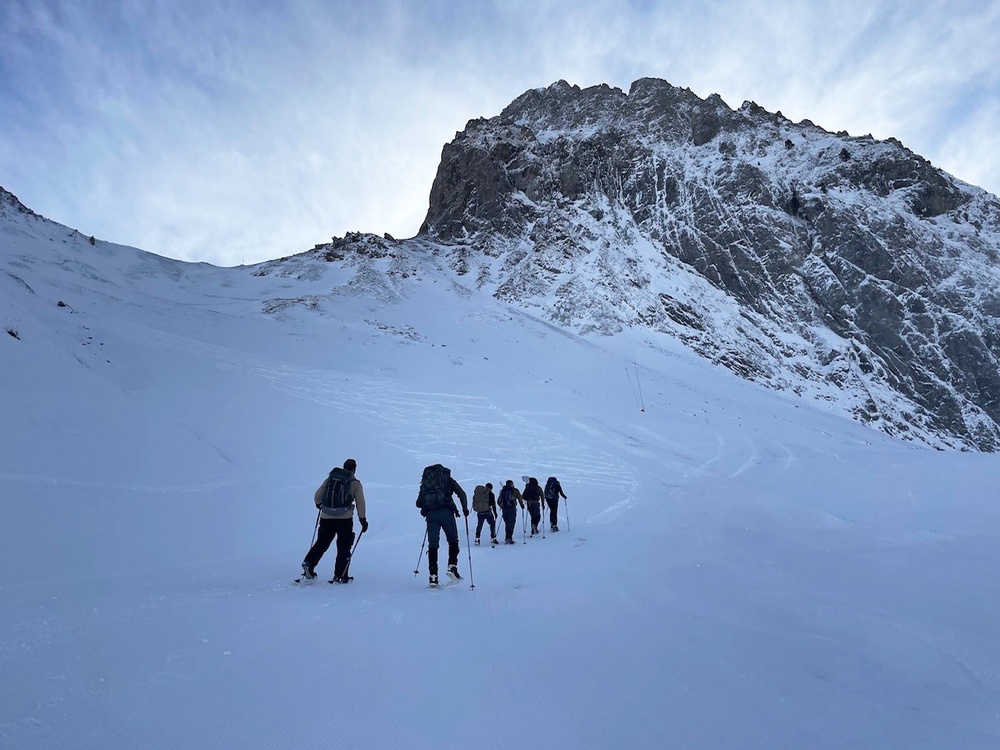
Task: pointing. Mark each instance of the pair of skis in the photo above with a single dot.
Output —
(442, 584)
(449, 580)
(308, 581)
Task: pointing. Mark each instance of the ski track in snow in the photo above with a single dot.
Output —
(471, 430)
(433, 426)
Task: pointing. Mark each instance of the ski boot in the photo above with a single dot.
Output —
(453, 573)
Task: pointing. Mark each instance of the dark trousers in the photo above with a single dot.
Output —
(343, 530)
(485, 516)
(442, 519)
(509, 522)
(553, 511)
(535, 512)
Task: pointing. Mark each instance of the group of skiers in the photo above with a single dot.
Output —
(533, 497)
(341, 493)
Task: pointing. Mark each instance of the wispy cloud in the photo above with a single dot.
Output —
(237, 131)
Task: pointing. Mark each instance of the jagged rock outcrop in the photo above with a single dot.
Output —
(10, 205)
(843, 268)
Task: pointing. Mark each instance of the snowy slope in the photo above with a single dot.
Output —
(736, 568)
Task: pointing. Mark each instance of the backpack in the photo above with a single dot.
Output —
(481, 500)
(338, 490)
(435, 488)
(532, 493)
(506, 499)
(552, 489)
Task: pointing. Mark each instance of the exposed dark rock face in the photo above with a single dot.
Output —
(9, 205)
(843, 268)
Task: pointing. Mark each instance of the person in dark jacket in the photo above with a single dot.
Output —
(437, 506)
(337, 522)
(510, 497)
(532, 495)
(553, 491)
(484, 503)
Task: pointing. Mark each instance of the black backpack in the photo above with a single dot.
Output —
(532, 493)
(338, 490)
(506, 499)
(435, 488)
(552, 489)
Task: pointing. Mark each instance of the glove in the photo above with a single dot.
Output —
(466, 511)
(456, 513)
(364, 525)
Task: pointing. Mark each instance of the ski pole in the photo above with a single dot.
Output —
(315, 529)
(566, 500)
(541, 517)
(417, 569)
(349, 559)
(468, 547)
(524, 527)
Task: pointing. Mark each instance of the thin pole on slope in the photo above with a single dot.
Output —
(642, 403)
(524, 527)
(631, 387)
(416, 570)
(468, 547)
(541, 516)
(566, 500)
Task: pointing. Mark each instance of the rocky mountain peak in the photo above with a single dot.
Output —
(10, 205)
(797, 257)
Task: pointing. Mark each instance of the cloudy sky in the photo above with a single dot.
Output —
(235, 131)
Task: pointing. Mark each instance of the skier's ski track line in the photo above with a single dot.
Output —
(462, 429)
(704, 466)
(462, 417)
(766, 455)
(751, 460)
(431, 423)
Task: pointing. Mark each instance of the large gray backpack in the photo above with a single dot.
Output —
(481, 499)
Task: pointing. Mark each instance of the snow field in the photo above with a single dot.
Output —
(739, 570)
